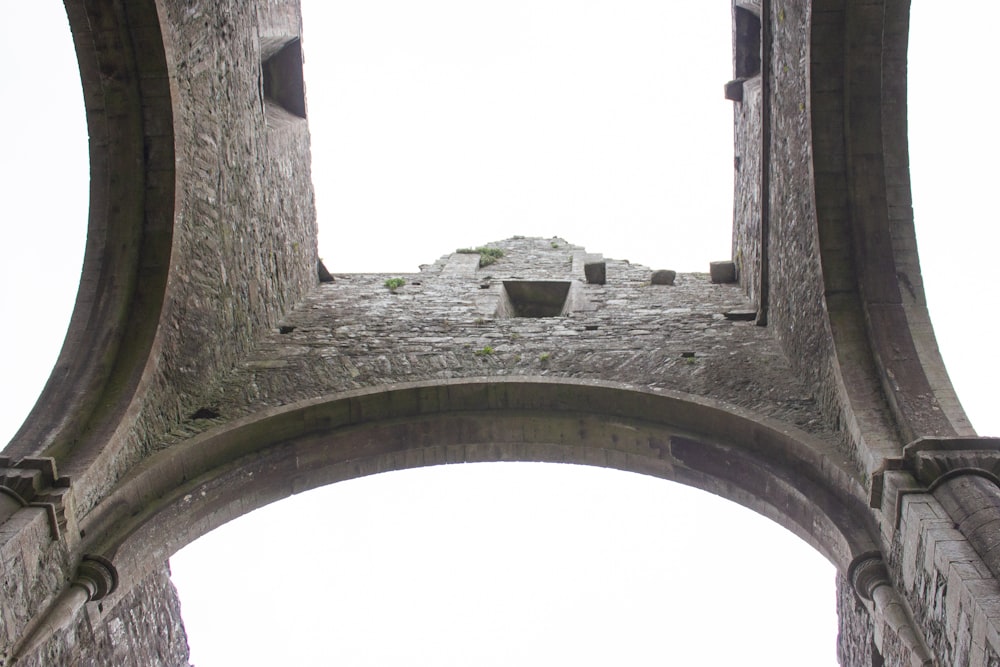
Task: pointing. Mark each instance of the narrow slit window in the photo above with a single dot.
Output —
(747, 49)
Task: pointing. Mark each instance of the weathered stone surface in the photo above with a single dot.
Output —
(352, 334)
(747, 240)
(202, 320)
(143, 628)
(723, 272)
(855, 645)
(663, 277)
(243, 219)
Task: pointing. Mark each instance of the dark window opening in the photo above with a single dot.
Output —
(747, 48)
(282, 79)
(535, 298)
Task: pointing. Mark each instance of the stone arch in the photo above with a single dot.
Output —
(188, 490)
(870, 266)
(123, 70)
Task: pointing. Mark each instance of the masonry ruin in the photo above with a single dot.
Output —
(810, 389)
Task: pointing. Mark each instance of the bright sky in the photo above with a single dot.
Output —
(445, 124)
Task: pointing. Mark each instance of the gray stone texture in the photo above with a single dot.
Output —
(663, 277)
(33, 565)
(854, 631)
(746, 195)
(243, 239)
(354, 333)
(244, 249)
(144, 629)
(723, 272)
(205, 353)
(238, 236)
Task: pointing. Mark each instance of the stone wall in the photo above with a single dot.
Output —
(143, 628)
(796, 312)
(746, 196)
(951, 591)
(855, 644)
(244, 246)
(226, 202)
(223, 217)
(694, 337)
(32, 566)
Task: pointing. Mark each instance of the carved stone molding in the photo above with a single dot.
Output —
(867, 573)
(933, 459)
(870, 578)
(927, 462)
(98, 576)
(35, 482)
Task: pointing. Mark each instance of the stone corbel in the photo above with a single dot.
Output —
(733, 90)
(35, 482)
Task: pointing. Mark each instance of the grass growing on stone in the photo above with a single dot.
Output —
(485, 352)
(392, 284)
(487, 256)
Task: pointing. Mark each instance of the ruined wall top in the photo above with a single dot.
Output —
(529, 311)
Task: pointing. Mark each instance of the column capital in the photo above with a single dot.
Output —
(870, 578)
(98, 576)
(926, 462)
(868, 572)
(932, 460)
(35, 482)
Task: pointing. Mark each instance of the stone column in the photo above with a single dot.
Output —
(973, 502)
(963, 474)
(870, 578)
(95, 578)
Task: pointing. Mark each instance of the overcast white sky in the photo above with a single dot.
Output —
(444, 124)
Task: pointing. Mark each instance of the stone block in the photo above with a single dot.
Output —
(663, 277)
(734, 90)
(723, 272)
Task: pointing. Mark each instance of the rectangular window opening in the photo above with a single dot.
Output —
(534, 298)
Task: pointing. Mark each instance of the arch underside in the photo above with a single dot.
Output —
(144, 90)
(148, 219)
(873, 290)
(126, 89)
(188, 490)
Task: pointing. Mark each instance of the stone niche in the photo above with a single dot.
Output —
(537, 298)
(281, 76)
